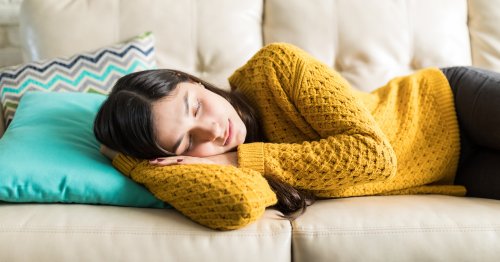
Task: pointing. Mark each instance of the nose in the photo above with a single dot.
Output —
(208, 131)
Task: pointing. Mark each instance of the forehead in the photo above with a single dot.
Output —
(168, 115)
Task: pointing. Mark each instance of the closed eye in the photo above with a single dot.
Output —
(197, 107)
(196, 111)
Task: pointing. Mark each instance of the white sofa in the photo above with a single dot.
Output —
(367, 41)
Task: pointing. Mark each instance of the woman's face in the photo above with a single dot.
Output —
(194, 121)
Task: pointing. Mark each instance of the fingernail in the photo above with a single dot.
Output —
(179, 160)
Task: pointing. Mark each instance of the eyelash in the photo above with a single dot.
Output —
(198, 106)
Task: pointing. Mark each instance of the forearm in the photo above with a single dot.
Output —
(333, 164)
(217, 196)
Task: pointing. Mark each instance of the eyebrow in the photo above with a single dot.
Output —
(179, 141)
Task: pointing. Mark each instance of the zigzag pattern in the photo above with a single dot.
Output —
(88, 72)
(72, 69)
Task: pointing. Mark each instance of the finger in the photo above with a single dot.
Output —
(166, 161)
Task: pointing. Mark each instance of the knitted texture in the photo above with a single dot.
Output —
(219, 197)
(417, 113)
(323, 136)
(337, 142)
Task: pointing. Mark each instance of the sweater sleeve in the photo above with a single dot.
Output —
(326, 140)
(217, 196)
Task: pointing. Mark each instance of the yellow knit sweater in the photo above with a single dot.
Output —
(323, 136)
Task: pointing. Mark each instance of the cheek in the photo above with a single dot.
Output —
(206, 149)
(217, 105)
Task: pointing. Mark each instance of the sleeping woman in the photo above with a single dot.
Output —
(292, 130)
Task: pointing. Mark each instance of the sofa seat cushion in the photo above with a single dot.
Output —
(399, 228)
(57, 232)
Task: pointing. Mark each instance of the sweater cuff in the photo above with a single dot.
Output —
(251, 156)
(124, 163)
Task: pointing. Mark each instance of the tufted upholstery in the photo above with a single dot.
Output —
(207, 38)
(367, 41)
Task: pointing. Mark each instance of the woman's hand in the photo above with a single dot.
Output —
(180, 160)
(230, 158)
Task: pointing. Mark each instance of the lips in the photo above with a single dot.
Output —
(228, 137)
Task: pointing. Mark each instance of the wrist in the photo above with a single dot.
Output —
(229, 158)
(251, 156)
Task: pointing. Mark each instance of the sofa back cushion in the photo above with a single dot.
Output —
(209, 39)
(368, 41)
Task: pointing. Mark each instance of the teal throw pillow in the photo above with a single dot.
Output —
(50, 154)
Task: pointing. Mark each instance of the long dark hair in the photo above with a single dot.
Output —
(125, 123)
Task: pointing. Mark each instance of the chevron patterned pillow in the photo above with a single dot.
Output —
(93, 72)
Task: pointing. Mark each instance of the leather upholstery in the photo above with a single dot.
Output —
(57, 232)
(398, 228)
(209, 39)
(369, 42)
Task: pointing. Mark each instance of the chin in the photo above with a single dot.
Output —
(232, 148)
